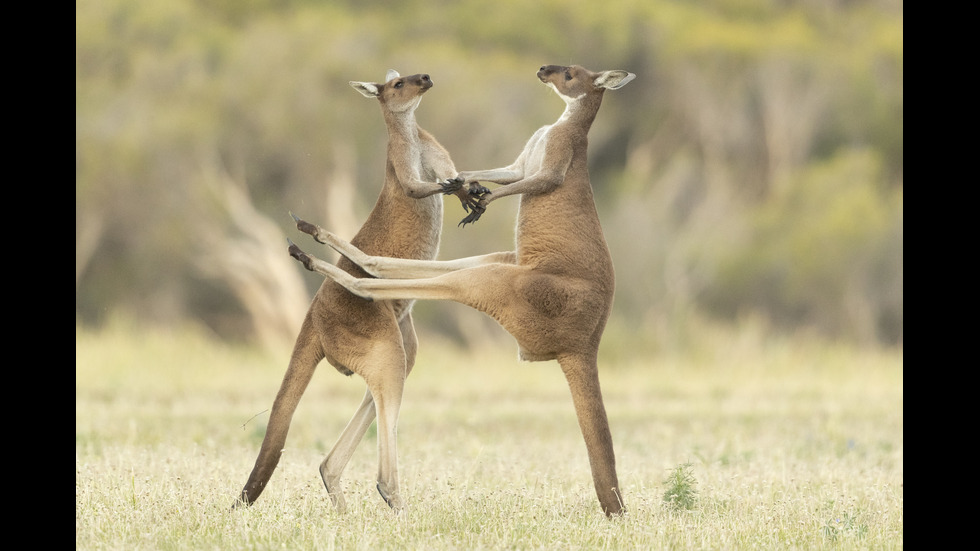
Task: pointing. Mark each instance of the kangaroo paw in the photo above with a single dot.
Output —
(451, 185)
(478, 190)
(473, 216)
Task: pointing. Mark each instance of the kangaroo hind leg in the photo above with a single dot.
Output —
(306, 355)
(388, 267)
(583, 381)
(386, 353)
(332, 467)
(387, 388)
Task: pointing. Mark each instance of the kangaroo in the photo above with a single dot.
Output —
(376, 340)
(554, 293)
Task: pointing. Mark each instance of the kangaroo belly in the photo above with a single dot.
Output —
(353, 331)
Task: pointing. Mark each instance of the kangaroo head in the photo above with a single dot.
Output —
(574, 81)
(397, 93)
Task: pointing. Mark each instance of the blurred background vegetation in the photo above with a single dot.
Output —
(751, 174)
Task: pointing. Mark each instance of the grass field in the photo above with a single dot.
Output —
(747, 445)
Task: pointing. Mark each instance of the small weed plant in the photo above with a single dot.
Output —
(681, 492)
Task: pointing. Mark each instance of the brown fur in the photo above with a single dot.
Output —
(555, 292)
(373, 339)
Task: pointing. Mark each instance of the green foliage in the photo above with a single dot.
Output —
(845, 525)
(681, 493)
(825, 251)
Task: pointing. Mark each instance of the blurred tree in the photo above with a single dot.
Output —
(757, 164)
(821, 255)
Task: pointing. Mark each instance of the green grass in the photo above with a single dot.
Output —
(777, 445)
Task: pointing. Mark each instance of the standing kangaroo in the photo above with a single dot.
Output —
(553, 294)
(376, 340)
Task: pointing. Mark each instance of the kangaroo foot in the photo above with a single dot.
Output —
(240, 504)
(393, 500)
(298, 254)
(336, 494)
(308, 228)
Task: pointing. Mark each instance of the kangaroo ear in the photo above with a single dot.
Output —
(613, 80)
(367, 89)
(391, 74)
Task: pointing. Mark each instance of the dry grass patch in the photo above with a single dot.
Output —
(788, 447)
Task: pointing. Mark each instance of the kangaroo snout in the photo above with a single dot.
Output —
(546, 70)
(421, 80)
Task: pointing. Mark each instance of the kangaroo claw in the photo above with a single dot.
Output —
(478, 211)
(451, 185)
(478, 190)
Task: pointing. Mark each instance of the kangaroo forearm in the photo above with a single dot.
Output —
(540, 183)
(418, 189)
(501, 176)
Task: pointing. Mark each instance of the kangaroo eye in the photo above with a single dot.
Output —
(568, 76)
(399, 84)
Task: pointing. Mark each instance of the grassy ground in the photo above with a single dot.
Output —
(747, 446)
